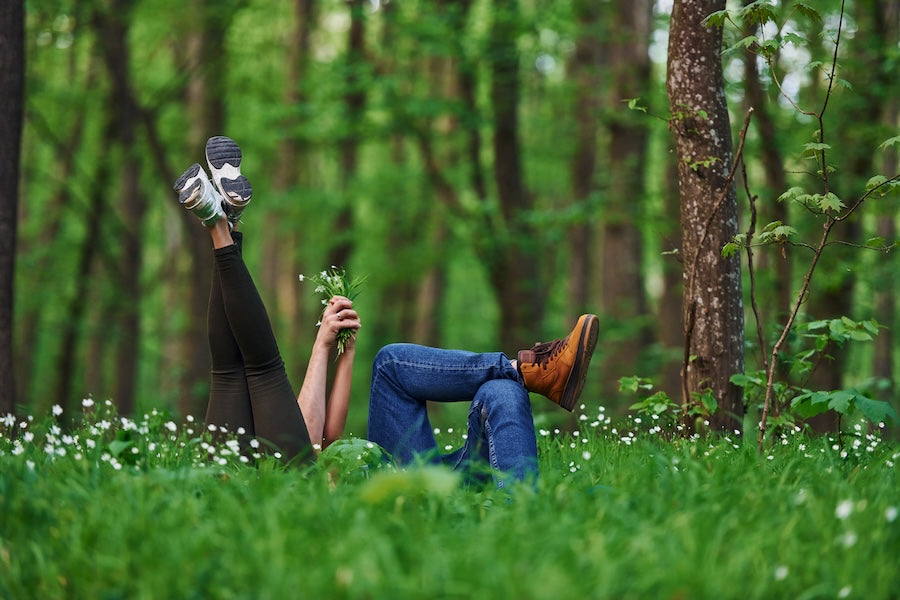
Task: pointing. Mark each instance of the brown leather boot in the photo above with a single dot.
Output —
(557, 369)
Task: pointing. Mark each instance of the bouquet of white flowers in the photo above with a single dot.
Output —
(336, 282)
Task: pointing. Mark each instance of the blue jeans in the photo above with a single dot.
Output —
(500, 424)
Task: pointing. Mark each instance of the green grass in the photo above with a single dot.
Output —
(149, 509)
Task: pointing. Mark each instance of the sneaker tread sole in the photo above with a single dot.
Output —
(224, 157)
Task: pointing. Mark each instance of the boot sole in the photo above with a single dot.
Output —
(224, 157)
(590, 330)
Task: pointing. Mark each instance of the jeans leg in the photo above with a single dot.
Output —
(501, 432)
(406, 376)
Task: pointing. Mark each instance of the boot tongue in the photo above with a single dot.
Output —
(539, 353)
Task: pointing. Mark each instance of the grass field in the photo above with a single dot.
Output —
(115, 508)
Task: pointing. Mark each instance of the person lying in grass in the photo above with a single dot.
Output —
(250, 390)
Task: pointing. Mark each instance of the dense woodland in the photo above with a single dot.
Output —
(493, 167)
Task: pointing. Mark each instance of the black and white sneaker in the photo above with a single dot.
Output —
(197, 194)
(224, 158)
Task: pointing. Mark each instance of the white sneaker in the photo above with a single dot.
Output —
(197, 194)
(224, 158)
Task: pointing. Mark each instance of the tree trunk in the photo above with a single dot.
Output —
(206, 59)
(12, 82)
(712, 308)
(113, 31)
(585, 71)
(354, 107)
(65, 370)
(885, 295)
(279, 261)
(623, 299)
(671, 328)
(515, 272)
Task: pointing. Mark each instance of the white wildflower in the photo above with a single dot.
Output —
(87, 402)
(781, 573)
(890, 513)
(843, 509)
(57, 409)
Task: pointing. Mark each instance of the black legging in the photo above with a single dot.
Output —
(250, 387)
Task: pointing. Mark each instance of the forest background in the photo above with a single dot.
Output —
(493, 168)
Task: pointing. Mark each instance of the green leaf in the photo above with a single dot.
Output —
(807, 11)
(117, 447)
(729, 249)
(840, 401)
(890, 142)
(830, 202)
(816, 146)
(633, 104)
(744, 380)
(634, 384)
(875, 410)
(815, 64)
(876, 242)
(791, 194)
(709, 401)
(748, 42)
(795, 39)
(716, 19)
(875, 181)
(844, 83)
(757, 13)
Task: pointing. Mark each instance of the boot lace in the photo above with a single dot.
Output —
(544, 352)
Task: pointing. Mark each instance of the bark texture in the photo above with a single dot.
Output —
(712, 307)
(12, 81)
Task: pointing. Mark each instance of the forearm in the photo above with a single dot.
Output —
(312, 393)
(339, 403)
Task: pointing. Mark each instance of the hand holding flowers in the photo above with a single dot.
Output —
(339, 322)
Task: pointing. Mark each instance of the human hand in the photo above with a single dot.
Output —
(338, 316)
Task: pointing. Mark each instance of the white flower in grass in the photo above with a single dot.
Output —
(241, 431)
(586, 455)
(90, 443)
(171, 426)
(9, 420)
(30, 464)
(845, 591)
(28, 436)
(190, 418)
(57, 410)
(254, 443)
(844, 509)
(781, 573)
(301, 277)
(211, 427)
(849, 539)
(890, 513)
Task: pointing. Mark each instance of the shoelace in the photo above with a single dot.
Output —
(545, 351)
